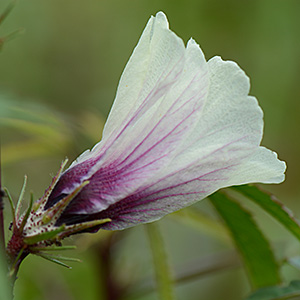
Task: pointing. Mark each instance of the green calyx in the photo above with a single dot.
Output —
(35, 230)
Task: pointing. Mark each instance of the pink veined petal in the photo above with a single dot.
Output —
(155, 202)
(217, 154)
(179, 130)
(149, 137)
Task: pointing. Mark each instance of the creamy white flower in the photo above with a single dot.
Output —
(180, 129)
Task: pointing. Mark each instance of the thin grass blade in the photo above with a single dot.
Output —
(254, 248)
(272, 206)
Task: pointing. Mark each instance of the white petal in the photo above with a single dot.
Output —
(184, 188)
(221, 151)
(142, 137)
(263, 166)
(156, 58)
(179, 130)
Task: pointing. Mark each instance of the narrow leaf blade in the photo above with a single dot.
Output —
(272, 206)
(255, 250)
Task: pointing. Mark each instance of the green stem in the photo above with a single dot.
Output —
(163, 274)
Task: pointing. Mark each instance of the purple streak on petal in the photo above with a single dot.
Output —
(197, 165)
(140, 203)
(152, 147)
(69, 180)
(158, 90)
(104, 188)
(175, 130)
(106, 182)
(75, 175)
(146, 138)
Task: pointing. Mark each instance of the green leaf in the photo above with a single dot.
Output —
(272, 206)
(292, 291)
(162, 271)
(254, 248)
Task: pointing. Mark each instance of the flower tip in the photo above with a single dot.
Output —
(192, 42)
(161, 15)
(161, 18)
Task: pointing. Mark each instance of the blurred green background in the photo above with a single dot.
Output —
(59, 78)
